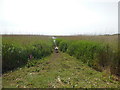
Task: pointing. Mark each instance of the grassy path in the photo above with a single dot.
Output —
(57, 71)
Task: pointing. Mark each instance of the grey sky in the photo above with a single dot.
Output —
(58, 17)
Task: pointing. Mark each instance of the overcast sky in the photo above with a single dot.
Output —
(58, 17)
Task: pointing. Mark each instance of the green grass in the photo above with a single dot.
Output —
(17, 50)
(25, 40)
(111, 40)
(96, 51)
(58, 70)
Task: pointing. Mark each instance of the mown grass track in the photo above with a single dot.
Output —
(59, 70)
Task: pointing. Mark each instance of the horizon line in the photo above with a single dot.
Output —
(62, 34)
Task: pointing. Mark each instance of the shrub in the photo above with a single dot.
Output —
(115, 64)
(63, 45)
(97, 51)
(96, 55)
(14, 56)
(58, 41)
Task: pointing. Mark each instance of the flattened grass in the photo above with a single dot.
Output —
(58, 71)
